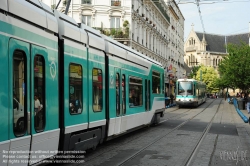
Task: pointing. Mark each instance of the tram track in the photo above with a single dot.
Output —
(114, 145)
(191, 157)
(140, 135)
(158, 139)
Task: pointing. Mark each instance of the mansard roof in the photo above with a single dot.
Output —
(217, 43)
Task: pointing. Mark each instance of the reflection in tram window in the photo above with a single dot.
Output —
(39, 93)
(19, 93)
(135, 92)
(156, 82)
(163, 84)
(123, 94)
(117, 94)
(75, 89)
(185, 88)
(97, 90)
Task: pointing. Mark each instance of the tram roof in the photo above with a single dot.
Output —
(192, 80)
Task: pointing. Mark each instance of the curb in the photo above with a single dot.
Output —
(171, 105)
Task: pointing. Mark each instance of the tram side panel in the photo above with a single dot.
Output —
(4, 93)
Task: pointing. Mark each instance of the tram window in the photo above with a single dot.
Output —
(117, 94)
(39, 92)
(135, 92)
(19, 93)
(156, 82)
(185, 88)
(75, 89)
(97, 90)
(123, 94)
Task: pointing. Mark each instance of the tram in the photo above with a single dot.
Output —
(91, 88)
(190, 92)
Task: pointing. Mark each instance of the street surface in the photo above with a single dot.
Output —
(211, 135)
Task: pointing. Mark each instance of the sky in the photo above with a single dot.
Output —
(223, 18)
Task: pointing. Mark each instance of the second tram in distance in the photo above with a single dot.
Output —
(190, 92)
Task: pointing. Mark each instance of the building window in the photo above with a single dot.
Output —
(86, 2)
(86, 20)
(115, 22)
(115, 3)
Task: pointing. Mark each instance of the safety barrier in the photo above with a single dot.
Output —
(171, 105)
(243, 117)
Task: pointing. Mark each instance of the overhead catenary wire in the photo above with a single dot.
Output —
(199, 10)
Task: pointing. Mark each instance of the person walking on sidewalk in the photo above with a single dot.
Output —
(248, 103)
(171, 98)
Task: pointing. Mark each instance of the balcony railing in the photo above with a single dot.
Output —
(115, 3)
(89, 2)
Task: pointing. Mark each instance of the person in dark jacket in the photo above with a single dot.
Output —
(248, 103)
(171, 98)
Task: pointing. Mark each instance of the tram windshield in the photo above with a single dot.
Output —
(185, 88)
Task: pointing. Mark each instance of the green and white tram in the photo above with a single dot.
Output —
(190, 92)
(91, 88)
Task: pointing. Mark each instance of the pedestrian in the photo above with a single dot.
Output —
(72, 104)
(248, 103)
(171, 98)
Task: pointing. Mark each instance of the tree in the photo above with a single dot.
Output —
(209, 76)
(194, 71)
(235, 68)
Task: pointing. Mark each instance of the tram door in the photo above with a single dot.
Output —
(19, 103)
(120, 99)
(26, 85)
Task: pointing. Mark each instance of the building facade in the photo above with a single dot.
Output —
(209, 49)
(154, 28)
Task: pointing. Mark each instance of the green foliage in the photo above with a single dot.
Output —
(53, 6)
(65, 2)
(194, 71)
(119, 34)
(235, 68)
(112, 31)
(125, 23)
(209, 76)
(126, 28)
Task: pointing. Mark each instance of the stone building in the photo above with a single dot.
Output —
(209, 49)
